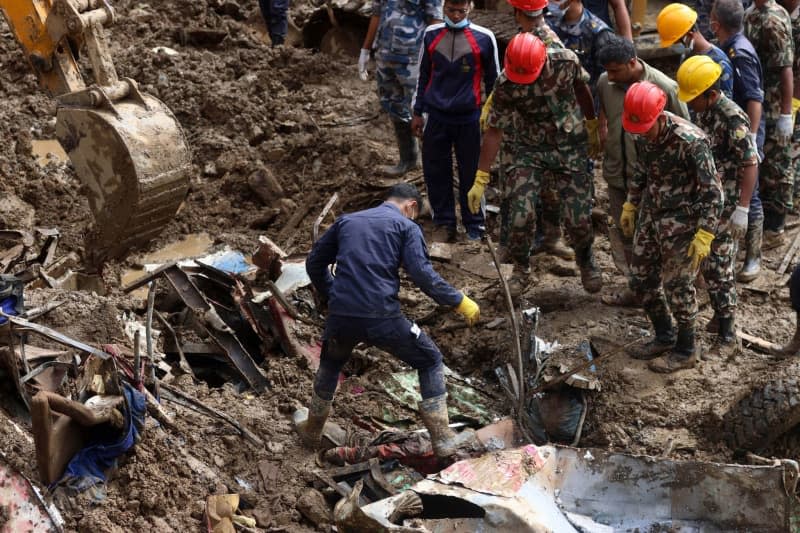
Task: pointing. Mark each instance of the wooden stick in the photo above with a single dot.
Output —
(515, 330)
(321, 217)
(758, 343)
(182, 362)
(790, 253)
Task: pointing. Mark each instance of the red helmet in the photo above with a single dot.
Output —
(525, 58)
(529, 6)
(644, 102)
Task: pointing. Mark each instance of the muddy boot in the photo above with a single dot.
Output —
(519, 281)
(752, 259)
(310, 422)
(591, 279)
(793, 348)
(683, 355)
(409, 154)
(664, 340)
(713, 324)
(727, 344)
(552, 244)
(444, 233)
(444, 440)
(773, 239)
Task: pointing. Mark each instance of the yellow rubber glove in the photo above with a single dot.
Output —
(476, 192)
(700, 247)
(487, 106)
(593, 131)
(469, 310)
(627, 220)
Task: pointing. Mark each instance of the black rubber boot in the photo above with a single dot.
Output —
(409, 153)
(726, 344)
(591, 279)
(664, 339)
(683, 355)
(752, 259)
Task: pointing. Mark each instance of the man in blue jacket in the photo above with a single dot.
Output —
(368, 248)
(456, 58)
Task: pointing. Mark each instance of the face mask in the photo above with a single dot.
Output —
(456, 25)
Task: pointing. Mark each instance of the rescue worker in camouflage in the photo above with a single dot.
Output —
(791, 7)
(748, 93)
(736, 159)
(395, 29)
(584, 33)
(623, 68)
(676, 23)
(542, 101)
(768, 27)
(530, 17)
(677, 194)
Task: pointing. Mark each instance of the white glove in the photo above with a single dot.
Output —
(739, 222)
(363, 59)
(784, 129)
(753, 137)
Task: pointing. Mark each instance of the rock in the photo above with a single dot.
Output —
(15, 213)
(313, 506)
(160, 525)
(287, 206)
(263, 183)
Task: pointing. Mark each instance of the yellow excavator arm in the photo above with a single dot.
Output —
(125, 145)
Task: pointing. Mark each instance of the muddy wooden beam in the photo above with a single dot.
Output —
(758, 344)
(54, 335)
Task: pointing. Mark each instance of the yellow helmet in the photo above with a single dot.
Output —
(673, 22)
(695, 75)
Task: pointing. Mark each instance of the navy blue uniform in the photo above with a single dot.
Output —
(274, 13)
(368, 248)
(748, 84)
(454, 63)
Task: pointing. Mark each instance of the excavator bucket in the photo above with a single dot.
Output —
(134, 160)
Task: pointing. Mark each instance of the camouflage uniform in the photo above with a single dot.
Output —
(549, 208)
(727, 127)
(402, 23)
(769, 29)
(548, 141)
(794, 148)
(677, 191)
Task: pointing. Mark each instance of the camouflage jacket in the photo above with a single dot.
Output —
(769, 28)
(584, 37)
(402, 23)
(543, 115)
(549, 37)
(676, 180)
(727, 127)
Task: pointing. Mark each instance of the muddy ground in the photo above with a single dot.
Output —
(308, 120)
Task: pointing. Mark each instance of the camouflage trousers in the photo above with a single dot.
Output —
(397, 83)
(718, 271)
(776, 176)
(523, 185)
(660, 265)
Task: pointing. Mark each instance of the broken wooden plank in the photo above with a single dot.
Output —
(323, 214)
(758, 344)
(55, 336)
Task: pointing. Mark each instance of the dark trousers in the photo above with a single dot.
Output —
(438, 142)
(756, 214)
(274, 13)
(398, 336)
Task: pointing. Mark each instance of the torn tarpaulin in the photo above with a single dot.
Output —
(11, 301)
(87, 468)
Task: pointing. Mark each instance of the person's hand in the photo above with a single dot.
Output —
(593, 131)
(487, 106)
(469, 310)
(363, 59)
(417, 125)
(784, 129)
(739, 222)
(476, 191)
(754, 139)
(700, 247)
(627, 220)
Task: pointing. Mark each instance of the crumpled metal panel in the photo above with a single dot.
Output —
(551, 488)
